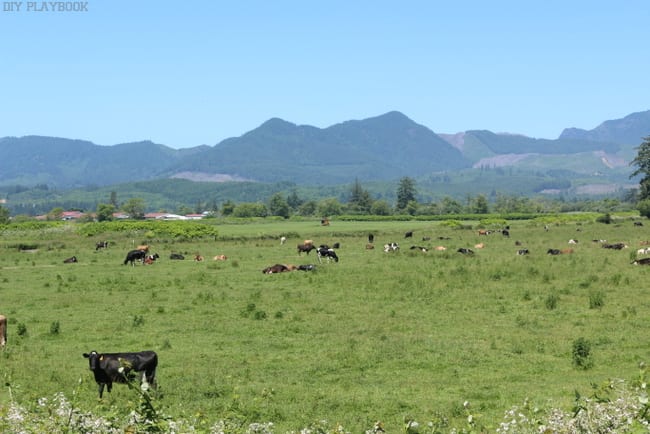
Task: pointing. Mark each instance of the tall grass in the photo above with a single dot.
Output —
(375, 337)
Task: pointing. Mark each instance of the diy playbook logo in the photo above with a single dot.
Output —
(44, 6)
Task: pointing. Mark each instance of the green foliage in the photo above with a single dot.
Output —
(581, 352)
(642, 163)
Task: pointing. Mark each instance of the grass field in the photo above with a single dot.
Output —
(375, 337)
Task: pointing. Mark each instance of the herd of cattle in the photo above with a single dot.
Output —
(109, 368)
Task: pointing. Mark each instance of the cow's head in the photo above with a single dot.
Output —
(93, 359)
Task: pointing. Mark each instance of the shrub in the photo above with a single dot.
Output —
(582, 354)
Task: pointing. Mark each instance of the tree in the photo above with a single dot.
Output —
(360, 200)
(134, 207)
(228, 207)
(329, 207)
(4, 215)
(113, 200)
(642, 163)
(405, 193)
(55, 213)
(105, 212)
(294, 201)
(380, 207)
(308, 208)
(278, 206)
(480, 205)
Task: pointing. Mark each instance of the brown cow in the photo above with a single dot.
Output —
(483, 232)
(3, 331)
(144, 248)
(220, 258)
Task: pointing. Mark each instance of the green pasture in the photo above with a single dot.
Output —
(375, 337)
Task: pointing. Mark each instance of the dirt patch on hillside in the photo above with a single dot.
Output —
(209, 177)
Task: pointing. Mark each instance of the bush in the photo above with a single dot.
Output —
(582, 354)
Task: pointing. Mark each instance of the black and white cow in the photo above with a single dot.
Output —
(391, 247)
(70, 260)
(101, 245)
(135, 255)
(326, 252)
(109, 368)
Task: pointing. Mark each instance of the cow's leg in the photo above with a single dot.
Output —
(101, 390)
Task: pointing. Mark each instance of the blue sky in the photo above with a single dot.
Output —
(186, 73)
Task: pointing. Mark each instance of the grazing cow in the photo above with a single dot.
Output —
(277, 268)
(615, 246)
(135, 255)
(220, 258)
(325, 222)
(517, 243)
(638, 224)
(336, 245)
(110, 368)
(391, 247)
(283, 240)
(177, 256)
(70, 260)
(371, 238)
(484, 232)
(370, 246)
(198, 258)
(522, 252)
(479, 245)
(566, 251)
(642, 261)
(420, 248)
(426, 238)
(440, 248)
(553, 252)
(505, 233)
(3, 331)
(465, 251)
(305, 248)
(603, 241)
(101, 245)
(143, 247)
(324, 252)
(644, 251)
(150, 259)
(573, 241)
(409, 234)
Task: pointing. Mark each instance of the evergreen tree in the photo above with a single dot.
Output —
(360, 200)
(405, 193)
(642, 163)
(278, 206)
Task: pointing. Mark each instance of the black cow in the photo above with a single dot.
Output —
(642, 261)
(465, 251)
(70, 260)
(638, 224)
(553, 252)
(324, 252)
(135, 255)
(371, 238)
(176, 256)
(420, 248)
(615, 246)
(110, 368)
(505, 233)
(306, 267)
(101, 245)
(409, 234)
(522, 252)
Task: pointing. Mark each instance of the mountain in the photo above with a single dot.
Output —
(377, 149)
(65, 163)
(629, 130)
(380, 148)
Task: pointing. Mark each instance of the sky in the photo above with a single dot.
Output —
(194, 72)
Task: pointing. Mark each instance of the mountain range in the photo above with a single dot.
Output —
(381, 148)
